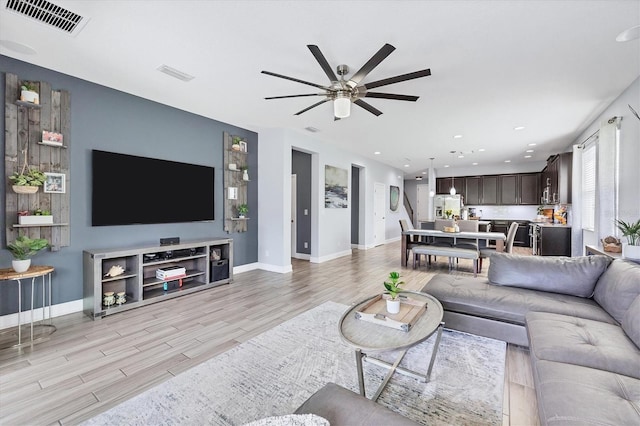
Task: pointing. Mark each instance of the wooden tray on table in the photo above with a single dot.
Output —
(376, 312)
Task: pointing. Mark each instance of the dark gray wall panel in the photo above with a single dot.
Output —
(107, 119)
(301, 167)
(355, 204)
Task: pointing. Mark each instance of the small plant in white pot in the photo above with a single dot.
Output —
(393, 288)
(29, 92)
(630, 250)
(243, 209)
(22, 249)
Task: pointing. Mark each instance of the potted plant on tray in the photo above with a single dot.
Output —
(393, 288)
(630, 250)
(22, 249)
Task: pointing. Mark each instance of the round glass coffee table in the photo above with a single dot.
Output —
(368, 337)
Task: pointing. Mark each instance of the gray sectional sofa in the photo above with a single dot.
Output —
(580, 318)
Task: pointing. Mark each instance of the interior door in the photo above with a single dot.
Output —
(294, 222)
(422, 205)
(379, 209)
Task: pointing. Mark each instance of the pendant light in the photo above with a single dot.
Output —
(432, 193)
(452, 191)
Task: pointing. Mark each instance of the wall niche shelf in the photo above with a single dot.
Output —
(233, 178)
(24, 123)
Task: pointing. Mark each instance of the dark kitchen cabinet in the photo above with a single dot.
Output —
(443, 185)
(530, 189)
(473, 190)
(557, 175)
(489, 190)
(508, 185)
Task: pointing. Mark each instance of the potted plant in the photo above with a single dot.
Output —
(235, 143)
(39, 217)
(243, 209)
(27, 180)
(630, 250)
(29, 92)
(22, 249)
(393, 288)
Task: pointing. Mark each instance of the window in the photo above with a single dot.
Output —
(589, 187)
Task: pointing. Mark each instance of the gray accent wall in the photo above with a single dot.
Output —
(110, 120)
(355, 204)
(301, 167)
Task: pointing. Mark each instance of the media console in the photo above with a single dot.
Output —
(208, 263)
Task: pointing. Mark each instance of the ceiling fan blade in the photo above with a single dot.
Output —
(371, 64)
(398, 78)
(368, 107)
(295, 79)
(315, 50)
(391, 96)
(312, 106)
(296, 96)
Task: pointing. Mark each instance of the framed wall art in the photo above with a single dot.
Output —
(336, 183)
(55, 183)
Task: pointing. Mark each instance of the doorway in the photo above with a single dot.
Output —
(355, 206)
(379, 209)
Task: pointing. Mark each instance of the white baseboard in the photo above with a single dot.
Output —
(392, 240)
(362, 246)
(11, 320)
(246, 267)
(330, 256)
(276, 268)
(301, 256)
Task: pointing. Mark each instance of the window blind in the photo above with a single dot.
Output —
(589, 187)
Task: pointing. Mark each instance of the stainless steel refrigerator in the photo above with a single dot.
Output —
(444, 203)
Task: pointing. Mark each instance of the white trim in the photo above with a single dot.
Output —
(301, 256)
(392, 240)
(276, 268)
(246, 267)
(330, 256)
(58, 310)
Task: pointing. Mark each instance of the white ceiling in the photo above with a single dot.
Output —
(551, 66)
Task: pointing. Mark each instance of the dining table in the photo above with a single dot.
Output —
(466, 235)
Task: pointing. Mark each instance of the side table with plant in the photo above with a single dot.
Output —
(393, 288)
(630, 250)
(22, 249)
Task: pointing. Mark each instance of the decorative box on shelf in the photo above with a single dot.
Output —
(35, 220)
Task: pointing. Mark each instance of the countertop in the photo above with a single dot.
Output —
(550, 225)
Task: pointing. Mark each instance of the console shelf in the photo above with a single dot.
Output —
(208, 263)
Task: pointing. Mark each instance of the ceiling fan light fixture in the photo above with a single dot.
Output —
(342, 106)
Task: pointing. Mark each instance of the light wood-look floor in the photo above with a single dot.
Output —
(89, 366)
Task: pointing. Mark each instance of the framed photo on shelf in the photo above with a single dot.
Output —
(243, 146)
(55, 183)
(51, 138)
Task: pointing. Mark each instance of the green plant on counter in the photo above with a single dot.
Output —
(393, 286)
(31, 177)
(630, 230)
(24, 247)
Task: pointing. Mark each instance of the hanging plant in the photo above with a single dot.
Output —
(28, 179)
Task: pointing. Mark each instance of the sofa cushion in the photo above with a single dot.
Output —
(340, 406)
(631, 321)
(576, 276)
(478, 297)
(589, 343)
(618, 287)
(575, 395)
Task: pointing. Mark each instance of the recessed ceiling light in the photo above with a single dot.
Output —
(629, 34)
(424, 173)
(460, 156)
(457, 136)
(377, 153)
(529, 150)
(532, 144)
(406, 165)
(18, 47)
(507, 161)
(474, 164)
(518, 128)
(527, 156)
(481, 150)
(446, 165)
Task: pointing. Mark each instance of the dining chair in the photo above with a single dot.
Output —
(467, 226)
(412, 240)
(508, 245)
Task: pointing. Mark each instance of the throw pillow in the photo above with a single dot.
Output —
(618, 287)
(291, 420)
(576, 276)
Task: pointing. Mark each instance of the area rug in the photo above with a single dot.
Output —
(276, 371)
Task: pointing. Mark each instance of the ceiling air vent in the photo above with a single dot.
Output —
(49, 14)
(175, 73)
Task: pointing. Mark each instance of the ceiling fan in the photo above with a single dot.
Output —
(343, 92)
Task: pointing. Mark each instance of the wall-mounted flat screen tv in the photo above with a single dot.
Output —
(128, 189)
